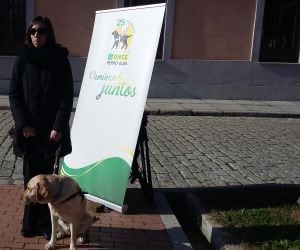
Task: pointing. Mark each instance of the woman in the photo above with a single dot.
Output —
(41, 97)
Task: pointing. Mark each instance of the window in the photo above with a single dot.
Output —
(129, 3)
(12, 26)
(280, 37)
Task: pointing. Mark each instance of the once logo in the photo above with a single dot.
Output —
(123, 34)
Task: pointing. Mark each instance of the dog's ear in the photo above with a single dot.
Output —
(41, 191)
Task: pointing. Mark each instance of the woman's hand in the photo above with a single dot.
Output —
(28, 131)
(55, 135)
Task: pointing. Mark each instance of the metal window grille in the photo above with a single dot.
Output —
(12, 26)
(280, 37)
(130, 3)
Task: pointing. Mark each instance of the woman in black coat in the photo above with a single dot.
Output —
(41, 98)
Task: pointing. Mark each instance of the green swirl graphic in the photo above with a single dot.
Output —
(106, 179)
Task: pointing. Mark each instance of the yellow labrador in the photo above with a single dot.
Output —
(67, 205)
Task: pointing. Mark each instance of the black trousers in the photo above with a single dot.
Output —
(36, 217)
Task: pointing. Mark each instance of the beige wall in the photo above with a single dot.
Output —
(213, 29)
(73, 21)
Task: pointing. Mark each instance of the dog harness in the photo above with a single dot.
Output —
(57, 195)
(79, 192)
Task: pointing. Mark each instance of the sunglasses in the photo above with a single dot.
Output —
(38, 31)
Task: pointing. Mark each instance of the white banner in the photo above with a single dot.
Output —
(112, 99)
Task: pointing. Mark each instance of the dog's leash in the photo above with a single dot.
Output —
(55, 171)
(57, 158)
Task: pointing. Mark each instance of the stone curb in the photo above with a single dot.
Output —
(222, 113)
(212, 231)
(210, 113)
(216, 236)
(176, 234)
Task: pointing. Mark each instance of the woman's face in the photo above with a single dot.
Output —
(38, 35)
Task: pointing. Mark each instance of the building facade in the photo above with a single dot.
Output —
(209, 49)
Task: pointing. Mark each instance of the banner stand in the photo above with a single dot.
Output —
(108, 131)
(120, 209)
(143, 172)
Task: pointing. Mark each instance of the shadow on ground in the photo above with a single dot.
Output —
(189, 204)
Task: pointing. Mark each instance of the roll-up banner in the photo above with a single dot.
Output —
(112, 100)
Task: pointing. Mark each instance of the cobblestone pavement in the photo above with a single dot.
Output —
(197, 151)
(203, 151)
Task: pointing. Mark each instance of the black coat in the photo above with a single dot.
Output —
(41, 92)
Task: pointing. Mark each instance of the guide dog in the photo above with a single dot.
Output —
(123, 40)
(67, 203)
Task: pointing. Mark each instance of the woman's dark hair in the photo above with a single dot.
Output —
(50, 37)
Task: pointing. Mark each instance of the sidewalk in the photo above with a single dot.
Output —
(223, 107)
(211, 107)
(141, 228)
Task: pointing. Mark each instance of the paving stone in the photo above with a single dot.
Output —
(5, 181)
(6, 164)
(193, 183)
(17, 176)
(187, 174)
(5, 172)
(176, 176)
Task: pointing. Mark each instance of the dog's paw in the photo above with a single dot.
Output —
(60, 235)
(82, 240)
(72, 247)
(49, 246)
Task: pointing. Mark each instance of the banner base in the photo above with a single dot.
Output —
(94, 207)
(120, 209)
